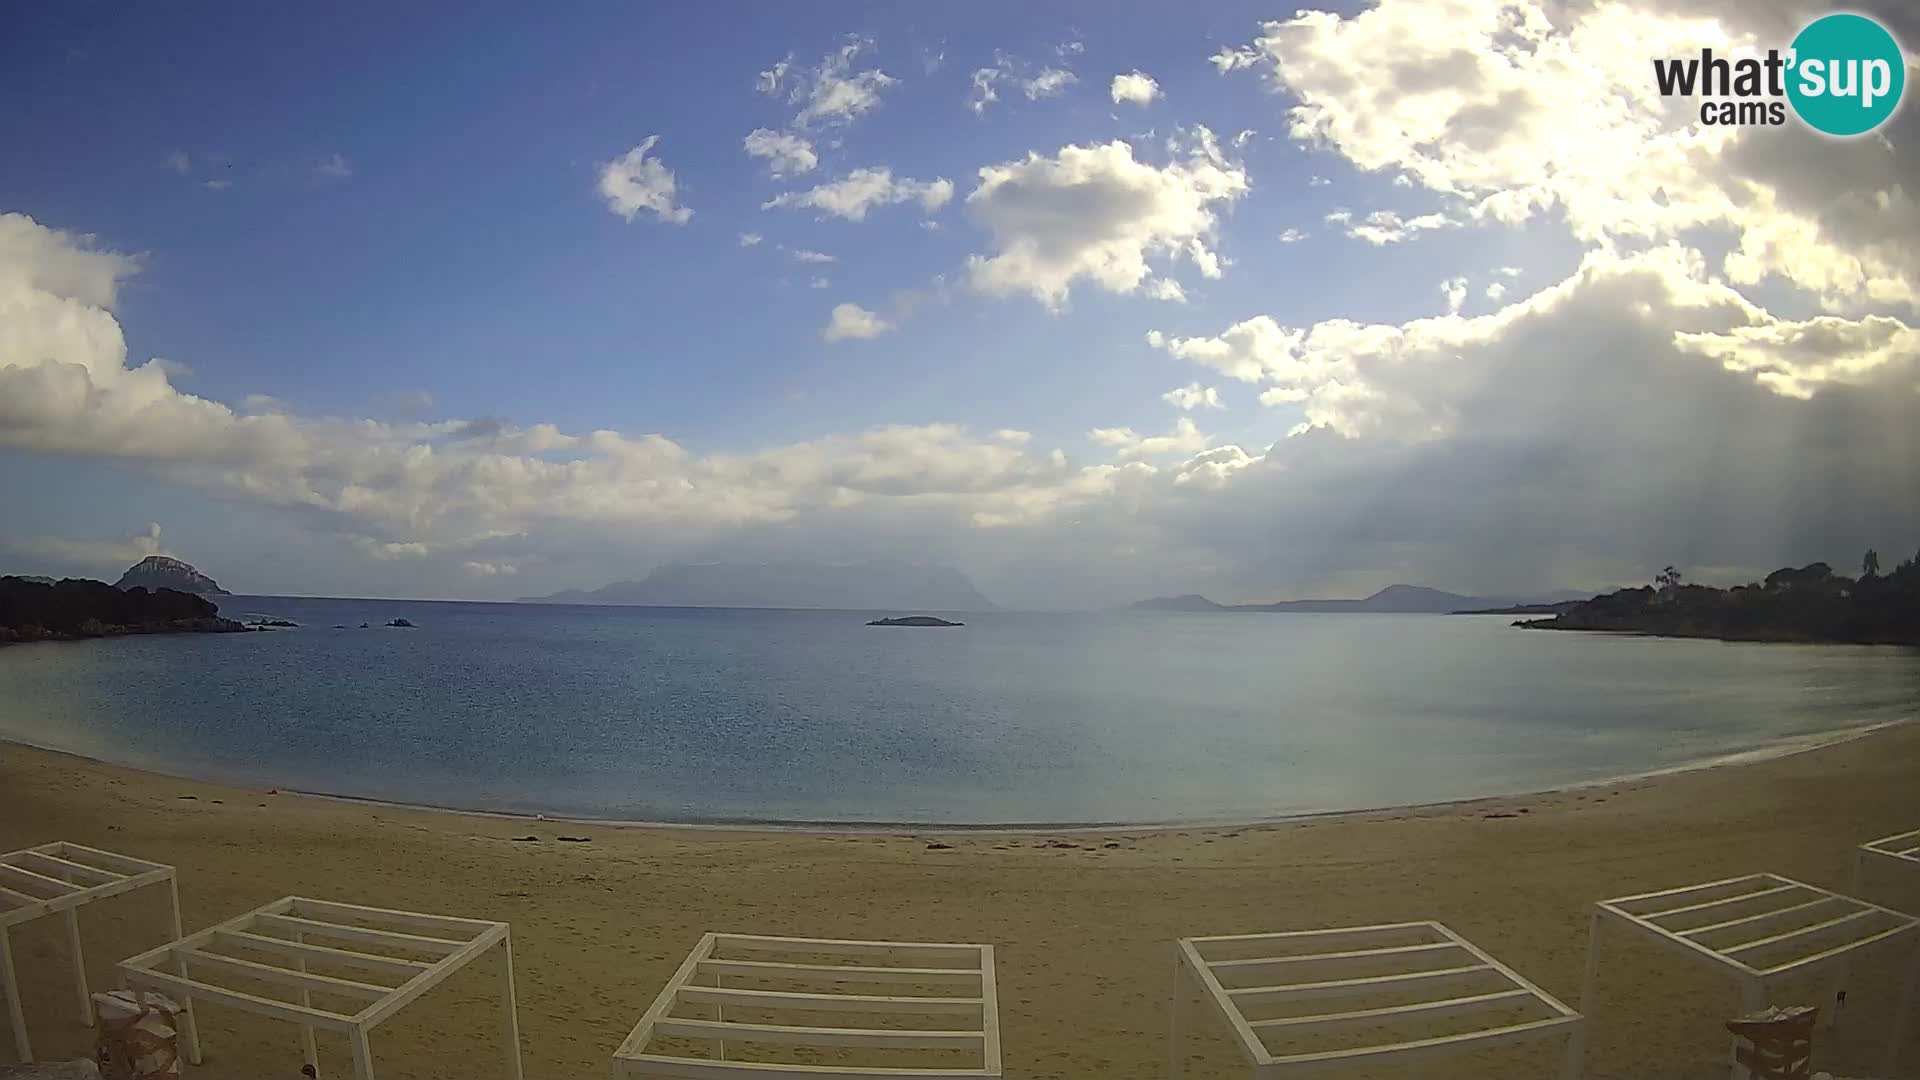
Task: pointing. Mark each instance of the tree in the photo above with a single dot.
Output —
(1668, 581)
(1870, 564)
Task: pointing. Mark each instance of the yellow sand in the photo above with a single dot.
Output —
(1083, 932)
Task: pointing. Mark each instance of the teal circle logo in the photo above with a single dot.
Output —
(1847, 74)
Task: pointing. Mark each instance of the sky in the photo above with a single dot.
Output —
(1090, 301)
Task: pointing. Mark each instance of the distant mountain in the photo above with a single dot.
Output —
(161, 572)
(1187, 602)
(37, 579)
(1394, 599)
(868, 586)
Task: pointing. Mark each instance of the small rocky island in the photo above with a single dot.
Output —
(914, 620)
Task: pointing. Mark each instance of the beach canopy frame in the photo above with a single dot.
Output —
(938, 1000)
(1428, 974)
(374, 960)
(1760, 929)
(58, 879)
(1901, 850)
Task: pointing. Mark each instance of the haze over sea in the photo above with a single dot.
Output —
(715, 715)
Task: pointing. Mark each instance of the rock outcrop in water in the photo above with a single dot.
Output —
(80, 608)
(914, 620)
(161, 572)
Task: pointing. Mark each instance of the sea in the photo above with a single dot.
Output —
(726, 716)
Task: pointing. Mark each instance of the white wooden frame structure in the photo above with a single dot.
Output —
(1901, 850)
(62, 877)
(1424, 961)
(386, 973)
(961, 976)
(1760, 929)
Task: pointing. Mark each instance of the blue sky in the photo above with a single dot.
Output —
(393, 217)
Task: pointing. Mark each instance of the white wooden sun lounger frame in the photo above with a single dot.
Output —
(454, 942)
(1343, 946)
(1901, 850)
(921, 963)
(60, 878)
(1751, 905)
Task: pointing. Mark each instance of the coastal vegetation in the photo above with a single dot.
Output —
(1810, 603)
(81, 608)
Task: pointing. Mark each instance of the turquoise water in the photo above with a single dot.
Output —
(807, 716)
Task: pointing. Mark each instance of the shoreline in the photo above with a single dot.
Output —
(1081, 921)
(1782, 748)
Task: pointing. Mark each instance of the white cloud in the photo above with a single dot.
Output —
(786, 154)
(634, 182)
(985, 83)
(1096, 213)
(1496, 291)
(489, 569)
(179, 161)
(1162, 288)
(854, 321)
(863, 189)
(819, 283)
(101, 559)
(1048, 82)
(832, 93)
(749, 239)
(1140, 88)
(1193, 396)
(217, 185)
(334, 166)
(1383, 227)
(806, 256)
(1036, 82)
(1292, 236)
(1455, 291)
(1185, 439)
(1471, 101)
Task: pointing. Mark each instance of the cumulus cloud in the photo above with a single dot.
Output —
(1186, 439)
(854, 321)
(749, 239)
(786, 153)
(1193, 396)
(634, 182)
(1472, 103)
(1136, 87)
(1097, 213)
(1292, 236)
(1454, 289)
(862, 190)
(831, 93)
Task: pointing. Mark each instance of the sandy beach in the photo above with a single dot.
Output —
(1083, 921)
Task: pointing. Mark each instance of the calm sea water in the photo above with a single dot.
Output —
(712, 715)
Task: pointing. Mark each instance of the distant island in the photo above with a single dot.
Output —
(161, 572)
(82, 608)
(914, 620)
(1805, 604)
(1394, 599)
(865, 586)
